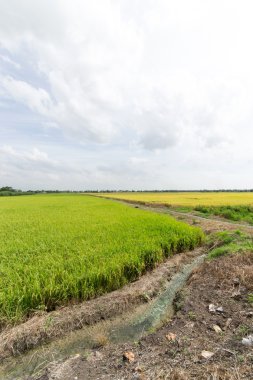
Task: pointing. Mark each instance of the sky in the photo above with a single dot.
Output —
(126, 94)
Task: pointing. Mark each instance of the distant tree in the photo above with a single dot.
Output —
(7, 188)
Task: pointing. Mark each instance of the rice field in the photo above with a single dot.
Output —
(190, 199)
(56, 249)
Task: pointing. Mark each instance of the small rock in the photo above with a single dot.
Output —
(236, 281)
(190, 325)
(248, 341)
(94, 356)
(139, 376)
(236, 295)
(249, 314)
(207, 354)
(171, 337)
(98, 355)
(128, 356)
(228, 323)
(212, 308)
(138, 369)
(217, 329)
(195, 359)
(146, 297)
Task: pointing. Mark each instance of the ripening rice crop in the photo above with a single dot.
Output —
(60, 248)
(190, 199)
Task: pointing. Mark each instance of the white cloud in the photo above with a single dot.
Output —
(9, 61)
(35, 155)
(160, 80)
(20, 91)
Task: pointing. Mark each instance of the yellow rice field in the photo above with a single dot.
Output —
(186, 198)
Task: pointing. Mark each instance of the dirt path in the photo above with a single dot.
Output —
(215, 220)
(207, 224)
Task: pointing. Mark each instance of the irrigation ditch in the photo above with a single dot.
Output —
(136, 322)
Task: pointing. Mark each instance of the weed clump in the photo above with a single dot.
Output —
(242, 213)
(227, 242)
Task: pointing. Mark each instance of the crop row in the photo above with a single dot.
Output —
(56, 249)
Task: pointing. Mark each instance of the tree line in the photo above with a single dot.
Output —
(10, 191)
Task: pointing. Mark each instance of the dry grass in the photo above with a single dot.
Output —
(239, 266)
(100, 340)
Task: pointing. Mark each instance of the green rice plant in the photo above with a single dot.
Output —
(56, 249)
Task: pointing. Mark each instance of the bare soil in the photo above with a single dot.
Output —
(157, 357)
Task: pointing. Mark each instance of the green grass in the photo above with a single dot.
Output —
(60, 248)
(250, 298)
(242, 213)
(227, 242)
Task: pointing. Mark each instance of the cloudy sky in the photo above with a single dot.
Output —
(126, 94)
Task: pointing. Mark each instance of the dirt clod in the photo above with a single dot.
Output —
(128, 356)
(171, 337)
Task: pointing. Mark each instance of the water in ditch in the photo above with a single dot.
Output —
(130, 327)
